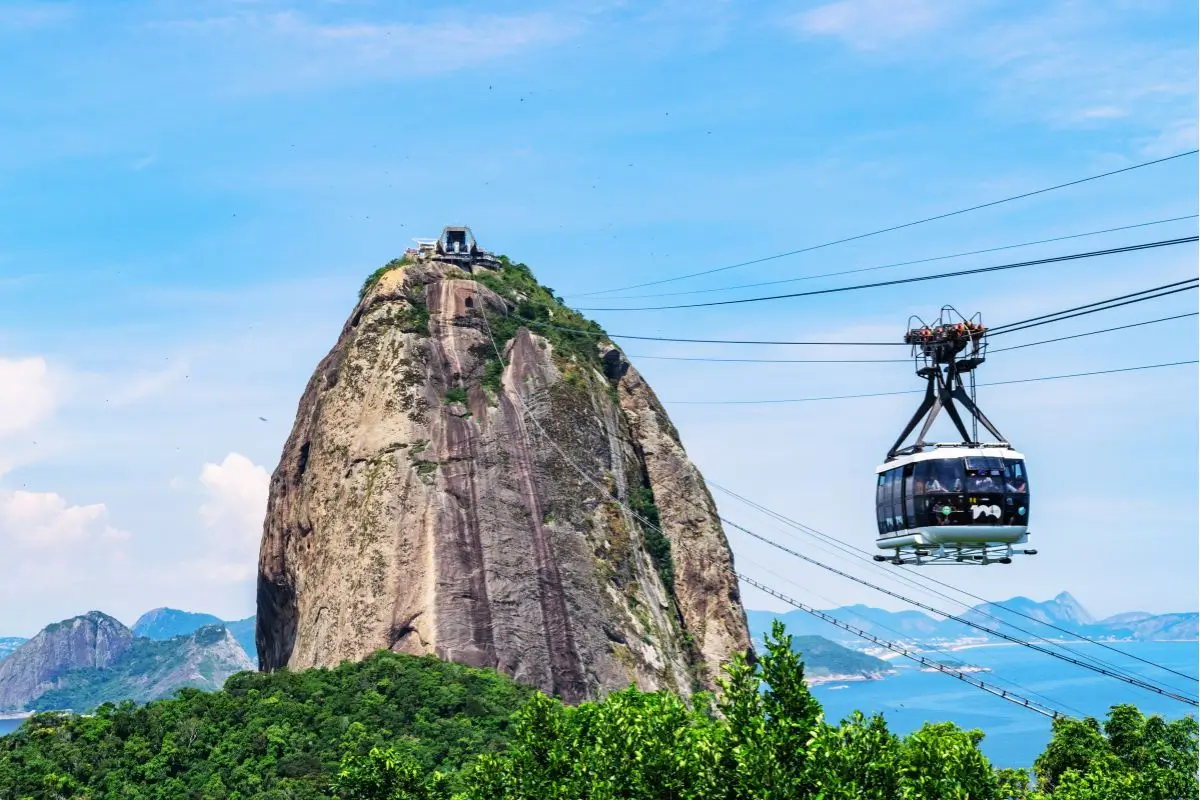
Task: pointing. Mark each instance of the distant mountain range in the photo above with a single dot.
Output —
(84, 661)
(1063, 611)
(166, 623)
(161, 624)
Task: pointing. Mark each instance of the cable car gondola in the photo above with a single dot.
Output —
(951, 502)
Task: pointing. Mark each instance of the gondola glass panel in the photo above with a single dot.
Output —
(943, 489)
(881, 490)
(1016, 492)
(910, 505)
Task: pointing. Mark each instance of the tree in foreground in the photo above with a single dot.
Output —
(768, 742)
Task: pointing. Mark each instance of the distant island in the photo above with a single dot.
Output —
(830, 662)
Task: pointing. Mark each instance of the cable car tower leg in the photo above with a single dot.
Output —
(960, 394)
(929, 405)
(948, 396)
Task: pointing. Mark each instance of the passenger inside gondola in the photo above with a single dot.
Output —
(945, 476)
(1014, 477)
(981, 484)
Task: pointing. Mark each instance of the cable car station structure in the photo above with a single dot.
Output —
(951, 502)
(456, 246)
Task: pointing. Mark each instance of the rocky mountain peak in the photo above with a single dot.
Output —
(93, 640)
(456, 483)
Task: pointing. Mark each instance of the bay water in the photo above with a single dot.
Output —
(1015, 736)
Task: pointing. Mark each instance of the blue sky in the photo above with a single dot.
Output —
(192, 192)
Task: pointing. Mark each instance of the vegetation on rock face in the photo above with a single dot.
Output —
(641, 501)
(374, 277)
(535, 306)
(404, 728)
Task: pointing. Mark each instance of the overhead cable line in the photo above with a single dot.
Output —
(1093, 304)
(889, 229)
(902, 651)
(1141, 684)
(904, 263)
(919, 391)
(846, 554)
(602, 334)
(1105, 305)
(1005, 694)
(991, 351)
(899, 281)
(925, 648)
(1093, 333)
(913, 579)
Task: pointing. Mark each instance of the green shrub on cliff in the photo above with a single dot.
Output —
(374, 277)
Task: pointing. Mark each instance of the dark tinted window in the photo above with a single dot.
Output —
(945, 475)
(898, 498)
(1015, 480)
(920, 475)
(984, 475)
(910, 506)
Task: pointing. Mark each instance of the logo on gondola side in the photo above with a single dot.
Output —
(985, 511)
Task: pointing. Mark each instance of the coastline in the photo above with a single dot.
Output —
(16, 714)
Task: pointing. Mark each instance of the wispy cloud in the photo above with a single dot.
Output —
(31, 16)
(870, 24)
(1065, 63)
(287, 49)
(28, 394)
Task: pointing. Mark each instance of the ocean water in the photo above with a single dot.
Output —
(1016, 736)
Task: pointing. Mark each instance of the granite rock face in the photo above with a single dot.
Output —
(455, 484)
(94, 640)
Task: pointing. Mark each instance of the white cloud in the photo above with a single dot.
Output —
(1103, 112)
(1176, 138)
(868, 24)
(45, 520)
(27, 394)
(237, 498)
(233, 515)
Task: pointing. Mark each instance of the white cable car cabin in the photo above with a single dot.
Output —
(964, 502)
(958, 501)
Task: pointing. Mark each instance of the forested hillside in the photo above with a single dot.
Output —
(397, 727)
